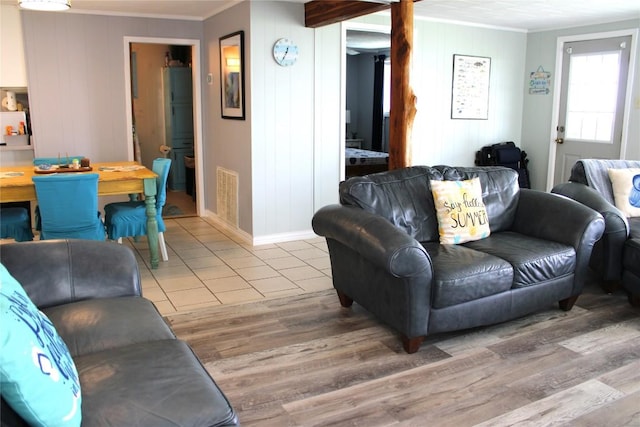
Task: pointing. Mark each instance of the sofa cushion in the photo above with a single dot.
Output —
(461, 214)
(100, 324)
(159, 383)
(500, 191)
(402, 196)
(61, 271)
(626, 190)
(533, 260)
(462, 274)
(38, 378)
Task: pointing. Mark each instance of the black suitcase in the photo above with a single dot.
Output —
(491, 155)
(505, 154)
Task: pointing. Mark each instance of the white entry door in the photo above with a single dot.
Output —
(592, 101)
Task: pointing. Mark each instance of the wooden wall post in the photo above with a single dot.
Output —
(403, 100)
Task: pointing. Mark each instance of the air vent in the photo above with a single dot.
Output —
(227, 196)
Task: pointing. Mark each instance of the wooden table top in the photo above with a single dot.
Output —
(114, 178)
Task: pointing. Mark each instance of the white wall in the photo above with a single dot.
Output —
(272, 150)
(228, 142)
(282, 106)
(329, 104)
(537, 109)
(76, 73)
(437, 139)
(13, 72)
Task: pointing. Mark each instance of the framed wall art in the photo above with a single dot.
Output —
(232, 75)
(470, 87)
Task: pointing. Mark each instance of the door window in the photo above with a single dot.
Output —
(592, 96)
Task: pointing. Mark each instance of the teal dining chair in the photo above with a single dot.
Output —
(68, 206)
(60, 160)
(16, 224)
(129, 219)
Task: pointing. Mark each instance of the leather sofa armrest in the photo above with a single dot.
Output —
(374, 238)
(55, 272)
(560, 219)
(615, 221)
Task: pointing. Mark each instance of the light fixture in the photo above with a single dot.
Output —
(45, 5)
(233, 62)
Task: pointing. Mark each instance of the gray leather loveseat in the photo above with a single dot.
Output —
(132, 369)
(386, 255)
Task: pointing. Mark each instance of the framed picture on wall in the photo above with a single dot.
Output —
(470, 87)
(232, 75)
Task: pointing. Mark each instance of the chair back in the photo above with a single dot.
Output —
(68, 206)
(161, 167)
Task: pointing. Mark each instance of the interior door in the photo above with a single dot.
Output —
(592, 100)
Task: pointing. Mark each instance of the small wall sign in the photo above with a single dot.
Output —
(539, 82)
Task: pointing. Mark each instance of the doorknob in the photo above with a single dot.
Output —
(559, 140)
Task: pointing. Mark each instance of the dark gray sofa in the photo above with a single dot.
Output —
(385, 253)
(616, 257)
(132, 369)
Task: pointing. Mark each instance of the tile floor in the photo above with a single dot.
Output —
(207, 267)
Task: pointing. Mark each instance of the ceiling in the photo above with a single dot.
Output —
(526, 15)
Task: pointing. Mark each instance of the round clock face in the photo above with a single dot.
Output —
(285, 52)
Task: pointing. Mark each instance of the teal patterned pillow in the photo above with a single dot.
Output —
(38, 378)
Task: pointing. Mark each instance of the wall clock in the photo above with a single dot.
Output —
(285, 52)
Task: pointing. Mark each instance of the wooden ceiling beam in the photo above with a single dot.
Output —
(318, 13)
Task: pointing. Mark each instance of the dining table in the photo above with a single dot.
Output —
(115, 178)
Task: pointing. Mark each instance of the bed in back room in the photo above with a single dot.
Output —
(360, 162)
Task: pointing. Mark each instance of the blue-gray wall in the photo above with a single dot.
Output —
(537, 109)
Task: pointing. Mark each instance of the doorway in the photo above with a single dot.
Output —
(150, 65)
(592, 101)
(366, 77)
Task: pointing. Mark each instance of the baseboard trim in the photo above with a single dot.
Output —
(284, 237)
(262, 240)
(230, 229)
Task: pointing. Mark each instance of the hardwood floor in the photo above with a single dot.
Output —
(305, 361)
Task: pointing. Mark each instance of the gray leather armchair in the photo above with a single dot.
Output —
(590, 185)
(616, 257)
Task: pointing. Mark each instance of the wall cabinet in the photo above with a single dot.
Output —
(15, 150)
(13, 69)
(178, 121)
